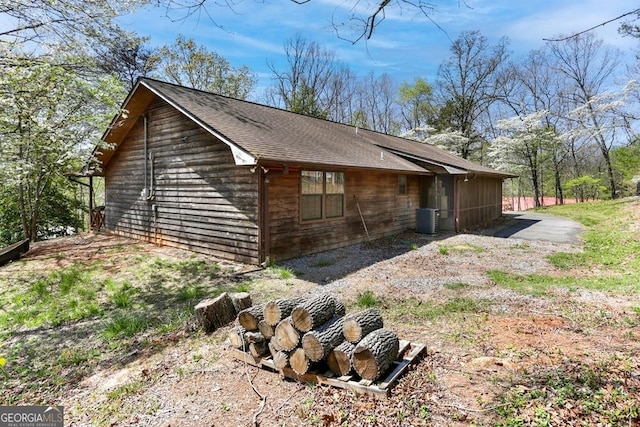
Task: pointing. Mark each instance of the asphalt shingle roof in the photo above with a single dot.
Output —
(271, 134)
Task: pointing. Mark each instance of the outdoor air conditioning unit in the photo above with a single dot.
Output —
(427, 220)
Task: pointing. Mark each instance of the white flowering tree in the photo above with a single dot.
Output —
(604, 120)
(524, 148)
(49, 120)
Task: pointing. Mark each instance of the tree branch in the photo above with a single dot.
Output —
(592, 28)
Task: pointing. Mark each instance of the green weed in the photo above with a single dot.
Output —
(125, 326)
(367, 299)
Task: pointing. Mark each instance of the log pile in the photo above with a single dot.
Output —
(301, 333)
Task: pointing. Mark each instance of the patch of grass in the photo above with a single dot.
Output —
(367, 299)
(126, 389)
(429, 310)
(190, 293)
(282, 272)
(323, 263)
(609, 247)
(414, 247)
(599, 392)
(456, 286)
(444, 250)
(122, 296)
(62, 296)
(124, 326)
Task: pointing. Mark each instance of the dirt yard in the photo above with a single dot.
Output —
(499, 349)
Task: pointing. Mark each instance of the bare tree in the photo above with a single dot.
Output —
(376, 100)
(127, 57)
(313, 83)
(468, 85)
(354, 20)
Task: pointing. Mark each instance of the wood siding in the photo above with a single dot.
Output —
(480, 201)
(202, 201)
(385, 213)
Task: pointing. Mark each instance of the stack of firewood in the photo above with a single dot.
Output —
(298, 333)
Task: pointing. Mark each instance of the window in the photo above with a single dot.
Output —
(322, 195)
(402, 184)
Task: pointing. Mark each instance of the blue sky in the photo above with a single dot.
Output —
(405, 45)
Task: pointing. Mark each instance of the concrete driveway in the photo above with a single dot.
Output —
(537, 226)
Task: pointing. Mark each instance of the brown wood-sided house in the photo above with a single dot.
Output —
(249, 182)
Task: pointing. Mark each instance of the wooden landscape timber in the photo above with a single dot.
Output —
(13, 252)
(322, 354)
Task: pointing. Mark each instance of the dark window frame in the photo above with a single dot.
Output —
(331, 204)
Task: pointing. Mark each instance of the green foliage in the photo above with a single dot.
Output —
(48, 115)
(367, 299)
(123, 326)
(188, 64)
(586, 188)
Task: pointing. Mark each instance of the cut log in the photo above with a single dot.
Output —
(285, 335)
(339, 359)
(313, 312)
(281, 359)
(258, 349)
(265, 329)
(215, 313)
(340, 309)
(375, 353)
(236, 337)
(250, 317)
(276, 311)
(361, 324)
(318, 343)
(241, 301)
(299, 361)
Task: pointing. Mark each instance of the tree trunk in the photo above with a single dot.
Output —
(375, 353)
(313, 312)
(359, 325)
(299, 361)
(317, 344)
(275, 311)
(285, 335)
(250, 317)
(265, 329)
(339, 360)
(241, 301)
(215, 313)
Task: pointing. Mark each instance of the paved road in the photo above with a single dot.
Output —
(537, 226)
